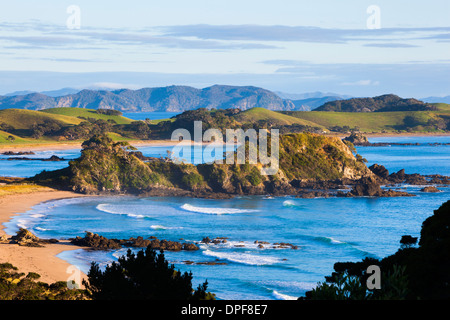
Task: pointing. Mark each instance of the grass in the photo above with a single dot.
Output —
(18, 140)
(86, 113)
(368, 121)
(10, 189)
(256, 114)
(24, 119)
(442, 106)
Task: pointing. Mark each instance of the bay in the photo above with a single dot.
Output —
(326, 230)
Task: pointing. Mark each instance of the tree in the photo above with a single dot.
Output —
(142, 276)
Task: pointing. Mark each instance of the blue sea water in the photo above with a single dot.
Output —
(326, 230)
(150, 115)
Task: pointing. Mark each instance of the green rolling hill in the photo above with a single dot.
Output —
(86, 113)
(24, 119)
(377, 121)
(276, 118)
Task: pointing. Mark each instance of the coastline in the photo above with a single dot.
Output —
(31, 259)
(145, 143)
(69, 146)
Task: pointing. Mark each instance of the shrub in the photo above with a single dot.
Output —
(145, 275)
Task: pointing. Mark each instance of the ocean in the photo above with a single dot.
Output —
(326, 230)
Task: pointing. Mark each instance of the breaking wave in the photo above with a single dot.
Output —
(107, 208)
(217, 211)
(243, 258)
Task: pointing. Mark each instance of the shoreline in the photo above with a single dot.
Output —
(145, 143)
(43, 260)
(71, 146)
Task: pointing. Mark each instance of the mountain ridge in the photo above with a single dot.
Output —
(170, 98)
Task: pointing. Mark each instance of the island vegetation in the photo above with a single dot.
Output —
(106, 166)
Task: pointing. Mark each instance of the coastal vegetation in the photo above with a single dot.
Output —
(15, 285)
(106, 166)
(414, 272)
(384, 103)
(144, 275)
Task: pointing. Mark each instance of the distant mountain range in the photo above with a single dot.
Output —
(171, 99)
(437, 99)
(182, 98)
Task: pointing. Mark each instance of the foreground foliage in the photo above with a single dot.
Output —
(143, 276)
(18, 286)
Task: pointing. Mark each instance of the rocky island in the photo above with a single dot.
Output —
(310, 165)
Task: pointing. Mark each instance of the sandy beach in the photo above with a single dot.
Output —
(30, 259)
(69, 146)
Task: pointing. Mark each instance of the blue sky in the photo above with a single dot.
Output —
(291, 46)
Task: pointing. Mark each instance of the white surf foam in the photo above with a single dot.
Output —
(42, 229)
(291, 204)
(281, 296)
(161, 227)
(107, 208)
(217, 211)
(243, 258)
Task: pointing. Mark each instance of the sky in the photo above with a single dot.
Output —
(354, 47)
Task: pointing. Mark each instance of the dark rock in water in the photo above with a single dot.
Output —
(211, 263)
(415, 179)
(206, 240)
(369, 187)
(380, 171)
(96, 242)
(54, 158)
(438, 179)
(20, 153)
(285, 245)
(171, 245)
(430, 189)
(398, 177)
(366, 187)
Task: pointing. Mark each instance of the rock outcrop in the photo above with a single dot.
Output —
(430, 189)
(25, 238)
(97, 242)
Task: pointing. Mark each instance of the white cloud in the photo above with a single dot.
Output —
(361, 83)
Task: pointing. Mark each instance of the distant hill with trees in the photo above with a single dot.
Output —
(384, 103)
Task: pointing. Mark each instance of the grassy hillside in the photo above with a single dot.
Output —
(24, 119)
(373, 122)
(277, 118)
(86, 113)
(17, 140)
(442, 106)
